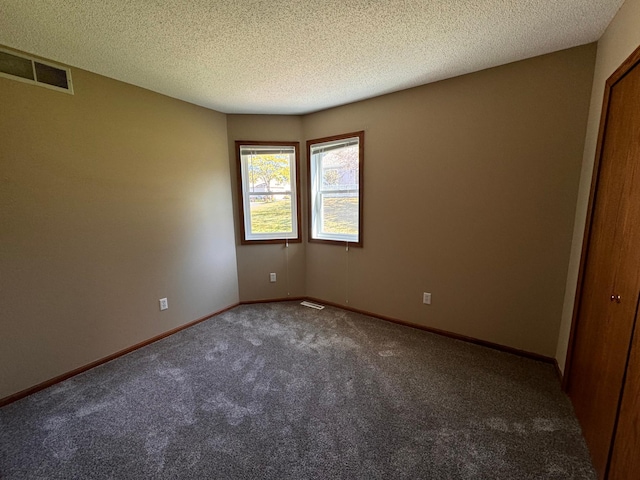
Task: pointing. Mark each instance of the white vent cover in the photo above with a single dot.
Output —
(312, 305)
(29, 70)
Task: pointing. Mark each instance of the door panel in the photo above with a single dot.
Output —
(625, 461)
(604, 328)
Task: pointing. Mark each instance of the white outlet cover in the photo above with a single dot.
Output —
(426, 298)
(164, 304)
(272, 277)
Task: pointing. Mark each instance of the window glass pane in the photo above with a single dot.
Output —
(339, 214)
(271, 213)
(340, 169)
(269, 173)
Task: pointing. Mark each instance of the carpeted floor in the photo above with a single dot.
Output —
(281, 391)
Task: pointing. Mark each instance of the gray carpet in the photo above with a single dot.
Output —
(281, 391)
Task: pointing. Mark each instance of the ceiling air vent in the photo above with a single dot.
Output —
(29, 70)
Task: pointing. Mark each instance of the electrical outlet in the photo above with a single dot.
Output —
(272, 277)
(164, 304)
(426, 298)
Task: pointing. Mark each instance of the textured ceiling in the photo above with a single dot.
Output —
(294, 56)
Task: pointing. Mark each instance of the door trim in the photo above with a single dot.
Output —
(631, 61)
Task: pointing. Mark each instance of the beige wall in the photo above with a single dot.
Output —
(620, 39)
(255, 262)
(111, 199)
(470, 188)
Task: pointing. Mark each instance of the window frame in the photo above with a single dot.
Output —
(311, 193)
(295, 192)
